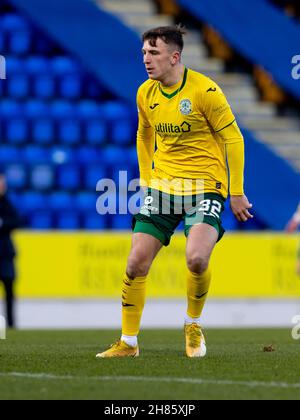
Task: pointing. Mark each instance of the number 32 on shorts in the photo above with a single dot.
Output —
(210, 208)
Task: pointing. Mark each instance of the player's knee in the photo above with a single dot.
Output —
(197, 263)
(138, 265)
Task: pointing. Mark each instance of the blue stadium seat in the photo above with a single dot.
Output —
(85, 201)
(87, 110)
(68, 221)
(69, 132)
(70, 86)
(12, 22)
(9, 154)
(114, 111)
(121, 222)
(94, 221)
(17, 131)
(37, 65)
(35, 155)
(44, 86)
(10, 108)
(42, 177)
(96, 132)
(122, 132)
(88, 155)
(69, 177)
(62, 109)
(61, 155)
(32, 201)
(43, 131)
(18, 86)
(114, 155)
(36, 108)
(16, 176)
(15, 65)
(93, 174)
(64, 65)
(41, 220)
(60, 200)
(19, 42)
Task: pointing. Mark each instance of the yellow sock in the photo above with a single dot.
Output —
(133, 302)
(197, 291)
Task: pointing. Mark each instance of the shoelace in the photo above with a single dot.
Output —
(194, 334)
(116, 344)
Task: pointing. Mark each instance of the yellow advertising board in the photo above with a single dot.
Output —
(92, 265)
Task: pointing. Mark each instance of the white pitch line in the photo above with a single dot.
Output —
(194, 381)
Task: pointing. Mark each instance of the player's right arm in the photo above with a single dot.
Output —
(145, 143)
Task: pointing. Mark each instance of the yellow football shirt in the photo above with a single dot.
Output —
(182, 123)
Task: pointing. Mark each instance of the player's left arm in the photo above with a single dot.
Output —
(234, 143)
(219, 115)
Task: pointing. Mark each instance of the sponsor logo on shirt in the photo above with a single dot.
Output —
(169, 128)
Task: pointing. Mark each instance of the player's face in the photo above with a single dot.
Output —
(159, 60)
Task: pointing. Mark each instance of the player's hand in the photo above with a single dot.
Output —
(240, 207)
(292, 226)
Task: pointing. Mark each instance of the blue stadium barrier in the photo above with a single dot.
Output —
(234, 20)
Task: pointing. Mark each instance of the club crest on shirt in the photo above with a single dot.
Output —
(185, 107)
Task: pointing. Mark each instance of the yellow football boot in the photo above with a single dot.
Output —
(120, 349)
(195, 340)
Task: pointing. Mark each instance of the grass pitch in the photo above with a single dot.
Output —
(62, 365)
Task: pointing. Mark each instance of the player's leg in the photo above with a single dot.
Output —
(200, 244)
(144, 249)
(143, 252)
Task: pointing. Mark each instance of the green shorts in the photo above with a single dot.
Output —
(162, 213)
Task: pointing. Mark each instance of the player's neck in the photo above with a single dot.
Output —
(173, 77)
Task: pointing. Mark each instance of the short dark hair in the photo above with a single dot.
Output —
(169, 34)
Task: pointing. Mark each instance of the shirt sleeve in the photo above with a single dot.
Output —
(235, 151)
(145, 144)
(215, 107)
